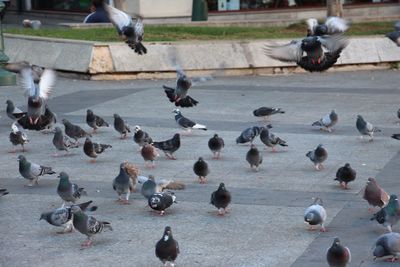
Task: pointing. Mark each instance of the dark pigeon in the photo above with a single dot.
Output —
(390, 214)
(396, 136)
(366, 128)
(375, 195)
(345, 175)
(123, 185)
(265, 112)
(141, 137)
(248, 135)
(13, 112)
(318, 156)
(167, 248)
(68, 191)
(201, 169)
(92, 150)
(169, 146)
(95, 121)
(338, 255)
(395, 36)
(121, 126)
(315, 215)
(186, 123)
(31, 171)
(221, 199)
(387, 245)
(161, 201)
(74, 131)
(45, 121)
(178, 95)
(269, 139)
(254, 158)
(216, 144)
(18, 137)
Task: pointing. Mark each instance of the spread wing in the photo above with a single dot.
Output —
(119, 18)
(336, 25)
(46, 84)
(27, 82)
(333, 43)
(311, 24)
(288, 52)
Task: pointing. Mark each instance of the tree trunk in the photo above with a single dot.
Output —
(334, 8)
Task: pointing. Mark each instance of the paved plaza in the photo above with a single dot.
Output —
(265, 226)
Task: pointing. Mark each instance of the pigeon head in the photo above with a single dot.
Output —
(63, 175)
(215, 135)
(116, 116)
(87, 140)
(309, 153)
(65, 121)
(151, 177)
(392, 198)
(320, 145)
(200, 159)
(75, 209)
(253, 146)
(359, 117)
(379, 252)
(221, 186)
(173, 198)
(137, 128)
(371, 180)
(347, 165)
(167, 233)
(268, 126)
(176, 111)
(57, 129)
(21, 158)
(336, 241)
(309, 43)
(321, 29)
(9, 102)
(89, 112)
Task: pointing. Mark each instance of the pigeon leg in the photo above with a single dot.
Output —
(68, 228)
(371, 209)
(162, 212)
(221, 211)
(273, 149)
(23, 148)
(317, 167)
(311, 228)
(87, 243)
(323, 229)
(214, 155)
(13, 150)
(56, 154)
(389, 227)
(92, 161)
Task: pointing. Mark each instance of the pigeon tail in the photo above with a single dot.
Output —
(396, 136)
(175, 186)
(46, 170)
(200, 127)
(317, 123)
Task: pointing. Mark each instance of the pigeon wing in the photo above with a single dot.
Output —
(336, 25)
(288, 52)
(333, 43)
(27, 82)
(119, 18)
(46, 83)
(186, 123)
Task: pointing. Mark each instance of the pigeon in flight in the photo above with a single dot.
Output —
(328, 121)
(387, 245)
(186, 123)
(345, 175)
(61, 142)
(269, 139)
(366, 128)
(31, 171)
(221, 199)
(13, 112)
(254, 158)
(18, 137)
(121, 126)
(248, 135)
(395, 36)
(95, 121)
(169, 146)
(333, 25)
(338, 255)
(315, 215)
(266, 112)
(216, 144)
(92, 150)
(375, 195)
(318, 156)
(167, 248)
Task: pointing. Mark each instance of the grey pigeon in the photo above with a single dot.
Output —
(169, 146)
(150, 185)
(398, 113)
(266, 112)
(161, 201)
(221, 199)
(92, 149)
(315, 215)
(149, 154)
(333, 25)
(18, 137)
(95, 121)
(390, 214)
(269, 139)
(254, 158)
(395, 36)
(216, 144)
(201, 169)
(141, 137)
(48, 120)
(62, 142)
(345, 175)
(375, 195)
(63, 216)
(31, 171)
(366, 128)
(68, 191)
(132, 32)
(186, 123)
(88, 225)
(328, 121)
(121, 126)
(179, 95)
(123, 185)
(318, 156)
(248, 135)
(338, 255)
(387, 245)
(396, 136)
(167, 248)
(74, 131)
(3, 192)
(13, 112)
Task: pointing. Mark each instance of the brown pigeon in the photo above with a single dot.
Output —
(374, 194)
(149, 153)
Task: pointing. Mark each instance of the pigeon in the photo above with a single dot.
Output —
(338, 255)
(316, 58)
(149, 153)
(366, 128)
(44, 124)
(248, 135)
(140, 137)
(161, 201)
(345, 175)
(216, 144)
(123, 185)
(398, 113)
(201, 169)
(396, 136)
(121, 126)
(187, 124)
(150, 185)
(390, 214)
(133, 172)
(31, 171)
(94, 149)
(315, 214)
(169, 146)
(327, 122)
(269, 139)
(61, 142)
(254, 158)
(38, 95)
(95, 121)
(13, 112)
(68, 191)
(319, 155)
(74, 131)
(266, 112)
(88, 225)
(167, 248)
(221, 199)
(333, 25)
(132, 32)
(395, 36)
(375, 195)
(63, 216)
(3, 192)
(18, 137)
(16, 67)
(387, 245)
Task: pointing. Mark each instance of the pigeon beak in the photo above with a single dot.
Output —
(374, 258)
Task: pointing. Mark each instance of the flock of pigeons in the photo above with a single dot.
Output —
(317, 52)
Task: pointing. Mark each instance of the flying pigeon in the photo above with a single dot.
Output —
(68, 191)
(216, 144)
(315, 214)
(121, 126)
(345, 175)
(150, 185)
(3, 192)
(396, 136)
(185, 123)
(63, 216)
(387, 245)
(132, 32)
(333, 25)
(61, 142)
(161, 201)
(248, 135)
(18, 137)
(201, 169)
(74, 131)
(31, 171)
(167, 248)
(95, 121)
(269, 139)
(123, 185)
(13, 112)
(149, 154)
(338, 255)
(169, 146)
(328, 121)
(140, 137)
(88, 225)
(375, 195)
(94, 149)
(16, 67)
(266, 112)
(366, 128)
(254, 158)
(395, 36)
(390, 214)
(322, 52)
(319, 155)
(221, 199)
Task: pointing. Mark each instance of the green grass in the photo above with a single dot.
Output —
(182, 33)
